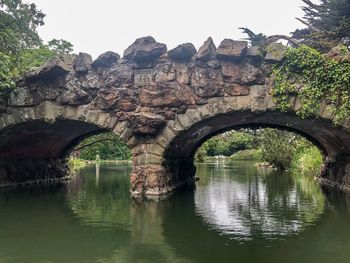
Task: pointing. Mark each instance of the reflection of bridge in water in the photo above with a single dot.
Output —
(231, 212)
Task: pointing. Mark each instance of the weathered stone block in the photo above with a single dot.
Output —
(164, 72)
(207, 82)
(145, 123)
(171, 94)
(236, 90)
(242, 73)
(207, 51)
(82, 63)
(231, 49)
(275, 52)
(258, 98)
(183, 52)
(106, 60)
(145, 50)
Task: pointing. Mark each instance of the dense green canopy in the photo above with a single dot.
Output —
(328, 24)
(20, 45)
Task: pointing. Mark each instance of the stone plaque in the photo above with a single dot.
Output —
(143, 77)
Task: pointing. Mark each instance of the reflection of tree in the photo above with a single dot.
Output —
(107, 205)
(244, 205)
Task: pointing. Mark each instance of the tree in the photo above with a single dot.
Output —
(278, 147)
(107, 145)
(328, 24)
(20, 45)
(18, 24)
(60, 46)
(227, 144)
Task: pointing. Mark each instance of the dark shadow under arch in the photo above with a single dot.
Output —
(43, 140)
(179, 155)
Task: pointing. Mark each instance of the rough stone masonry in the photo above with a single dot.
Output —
(163, 105)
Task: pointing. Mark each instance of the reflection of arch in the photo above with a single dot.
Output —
(213, 240)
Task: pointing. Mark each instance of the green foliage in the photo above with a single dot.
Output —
(20, 45)
(107, 145)
(18, 24)
(247, 155)
(228, 143)
(33, 58)
(307, 161)
(75, 163)
(255, 39)
(201, 154)
(60, 46)
(5, 71)
(278, 147)
(313, 77)
(328, 23)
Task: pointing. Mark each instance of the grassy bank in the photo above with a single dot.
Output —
(307, 161)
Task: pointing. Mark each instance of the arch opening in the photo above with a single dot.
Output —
(333, 142)
(37, 151)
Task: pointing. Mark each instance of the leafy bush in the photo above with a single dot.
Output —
(307, 161)
(247, 155)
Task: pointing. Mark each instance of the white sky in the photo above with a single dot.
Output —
(98, 26)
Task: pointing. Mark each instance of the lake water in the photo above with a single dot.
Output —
(237, 213)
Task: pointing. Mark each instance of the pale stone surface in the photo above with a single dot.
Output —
(275, 52)
(231, 49)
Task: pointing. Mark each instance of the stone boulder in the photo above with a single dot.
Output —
(145, 50)
(116, 98)
(22, 97)
(146, 123)
(242, 73)
(183, 52)
(106, 60)
(236, 90)
(275, 52)
(121, 75)
(207, 51)
(170, 94)
(254, 52)
(207, 82)
(231, 49)
(339, 53)
(53, 68)
(82, 63)
(75, 97)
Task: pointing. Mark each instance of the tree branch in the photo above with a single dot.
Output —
(92, 143)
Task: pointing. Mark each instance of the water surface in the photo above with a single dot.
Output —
(237, 213)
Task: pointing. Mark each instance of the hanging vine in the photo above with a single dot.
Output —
(314, 78)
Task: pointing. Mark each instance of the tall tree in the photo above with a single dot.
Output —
(328, 24)
(20, 45)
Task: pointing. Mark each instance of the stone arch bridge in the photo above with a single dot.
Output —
(163, 105)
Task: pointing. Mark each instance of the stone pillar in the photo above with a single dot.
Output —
(149, 176)
(31, 171)
(153, 175)
(336, 172)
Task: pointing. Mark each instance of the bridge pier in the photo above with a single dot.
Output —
(153, 175)
(336, 172)
(31, 171)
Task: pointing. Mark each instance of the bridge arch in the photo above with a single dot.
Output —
(162, 104)
(36, 141)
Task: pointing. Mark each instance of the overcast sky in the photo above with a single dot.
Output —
(98, 26)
